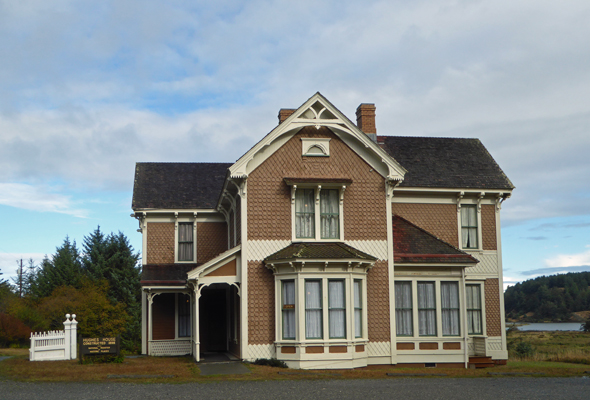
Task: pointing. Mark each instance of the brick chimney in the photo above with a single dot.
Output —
(285, 113)
(365, 120)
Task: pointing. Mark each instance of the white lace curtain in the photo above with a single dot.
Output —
(329, 213)
(469, 227)
(449, 295)
(313, 310)
(337, 309)
(426, 309)
(474, 324)
(403, 309)
(185, 242)
(358, 310)
(304, 213)
(288, 310)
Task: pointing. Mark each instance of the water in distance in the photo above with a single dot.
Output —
(548, 326)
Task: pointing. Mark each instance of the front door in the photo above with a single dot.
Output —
(213, 320)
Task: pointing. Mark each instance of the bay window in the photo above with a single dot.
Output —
(313, 309)
(426, 309)
(449, 295)
(288, 309)
(358, 308)
(336, 305)
(404, 322)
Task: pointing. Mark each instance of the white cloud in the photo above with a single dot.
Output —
(569, 260)
(38, 198)
(9, 266)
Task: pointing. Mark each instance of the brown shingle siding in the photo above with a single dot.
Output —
(438, 219)
(488, 227)
(269, 197)
(378, 303)
(160, 243)
(211, 240)
(493, 317)
(261, 309)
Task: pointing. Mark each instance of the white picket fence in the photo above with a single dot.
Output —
(55, 345)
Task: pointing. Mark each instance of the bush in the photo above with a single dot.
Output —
(13, 331)
(271, 362)
(585, 326)
(524, 349)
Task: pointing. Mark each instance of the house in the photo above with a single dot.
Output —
(326, 246)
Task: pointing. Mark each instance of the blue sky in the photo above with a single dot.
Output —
(89, 88)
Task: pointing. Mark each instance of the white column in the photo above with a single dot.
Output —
(74, 338)
(389, 187)
(67, 337)
(244, 272)
(196, 333)
(150, 322)
(144, 322)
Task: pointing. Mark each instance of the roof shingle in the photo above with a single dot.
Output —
(317, 251)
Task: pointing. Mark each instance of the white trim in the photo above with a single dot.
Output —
(215, 263)
(323, 144)
(311, 113)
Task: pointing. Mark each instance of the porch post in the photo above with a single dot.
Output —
(196, 334)
(466, 328)
(150, 297)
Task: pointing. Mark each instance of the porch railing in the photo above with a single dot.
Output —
(170, 347)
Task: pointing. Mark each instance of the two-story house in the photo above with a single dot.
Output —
(326, 246)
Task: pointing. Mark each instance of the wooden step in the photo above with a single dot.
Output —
(481, 362)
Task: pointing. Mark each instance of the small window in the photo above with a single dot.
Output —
(404, 322)
(449, 297)
(305, 214)
(426, 309)
(337, 309)
(184, 315)
(329, 214)
(288, 310)
(469, 227)
(185, 241)
(313, 309)
(358, 308)
(474, 315)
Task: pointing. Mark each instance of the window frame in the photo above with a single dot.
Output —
(462, 226)
(481, 309)
(320, 308)
(405, 309)
(317, 190)
(185, 221)
(293, 309)
(450, 309)
(332, 308)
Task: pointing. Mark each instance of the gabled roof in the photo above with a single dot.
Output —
(445, 163)
(412, 244)
(319, 251)
(178, 185)
(165, 274)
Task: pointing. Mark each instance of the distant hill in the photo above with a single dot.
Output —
(549, 298)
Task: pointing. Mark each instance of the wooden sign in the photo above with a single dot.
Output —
(99, 346)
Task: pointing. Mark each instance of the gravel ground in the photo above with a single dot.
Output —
(397, 388)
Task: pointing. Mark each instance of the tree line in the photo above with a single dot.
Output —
(552, 298)
(100, 283)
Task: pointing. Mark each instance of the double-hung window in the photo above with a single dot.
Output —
(404, 322)
(358, 308)
(426, 309)
(474, 313)
(337, 308)
(449, 296)
(313, 309)
(288, 302)
(305, 214)
(469, 227)
(185, 241)
(184, 315)
(323, 215)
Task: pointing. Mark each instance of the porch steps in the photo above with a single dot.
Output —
(481, 362)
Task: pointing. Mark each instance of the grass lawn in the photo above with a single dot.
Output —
(552, 349)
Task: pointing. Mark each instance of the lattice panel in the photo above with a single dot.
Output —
(261, 351)
(376, 248)
(495, 344)
(258, 250)
(379, 349)
(488, 264)
(170, 347)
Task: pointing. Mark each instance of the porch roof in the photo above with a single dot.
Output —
(166, 274)
(319, 251)
(412, 244)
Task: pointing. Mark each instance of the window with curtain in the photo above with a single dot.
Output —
(304, 213)
(288, 309)
(449, 301)
(358, 308)
(426, 309)
(404, 324)
(329, 214)
(313, 309)
(474, 315)
(469, 227)
(184, 315)
(337, 309)
(185, 241)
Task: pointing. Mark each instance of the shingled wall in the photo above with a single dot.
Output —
(493, 317)
(160, 243)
